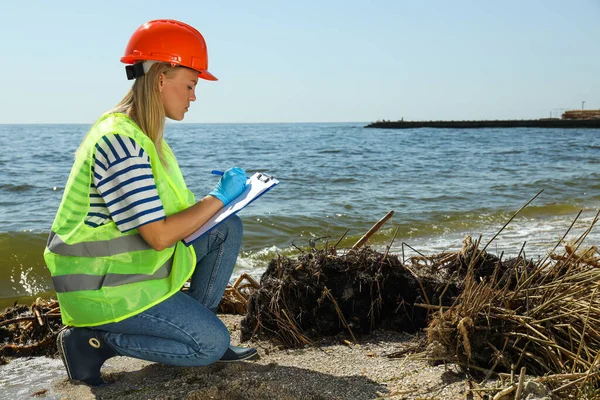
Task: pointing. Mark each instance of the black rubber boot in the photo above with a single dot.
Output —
(237, 353)
(83, 351)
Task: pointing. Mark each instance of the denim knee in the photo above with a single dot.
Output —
(234, 226)
(213, 346)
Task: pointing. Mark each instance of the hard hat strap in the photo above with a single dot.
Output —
(134, 71)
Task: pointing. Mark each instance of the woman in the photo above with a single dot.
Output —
(115, 250)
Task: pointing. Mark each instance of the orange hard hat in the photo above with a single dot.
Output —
(169, 41)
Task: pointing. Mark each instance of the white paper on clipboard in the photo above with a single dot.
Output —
(257, 185)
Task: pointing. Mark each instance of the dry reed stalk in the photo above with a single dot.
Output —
(235, 298)
(340, 239)
(550, 318)
(507, 223)
(372, 231)
(339, 312)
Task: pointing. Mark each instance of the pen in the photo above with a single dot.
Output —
(220, 173)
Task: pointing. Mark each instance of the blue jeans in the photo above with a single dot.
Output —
(183, 330)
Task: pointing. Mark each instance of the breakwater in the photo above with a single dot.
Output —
(520, 123)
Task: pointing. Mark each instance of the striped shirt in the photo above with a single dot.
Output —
(123, 188)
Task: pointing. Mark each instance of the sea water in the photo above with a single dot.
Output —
(442, 184)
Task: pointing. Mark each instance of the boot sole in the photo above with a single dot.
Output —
(249, 357)
(60, 343)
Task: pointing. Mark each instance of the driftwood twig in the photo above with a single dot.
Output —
(371, 231)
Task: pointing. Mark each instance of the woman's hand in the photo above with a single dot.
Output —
(167, 232)
(230, 186)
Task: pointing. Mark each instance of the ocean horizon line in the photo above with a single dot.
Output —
(191, 123)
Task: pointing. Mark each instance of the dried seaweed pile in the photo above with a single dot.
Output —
(453, 267)
(321, 294)
(544, 317)
(29, 330)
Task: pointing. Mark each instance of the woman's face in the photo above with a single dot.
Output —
(178, 91)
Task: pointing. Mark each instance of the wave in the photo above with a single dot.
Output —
(334, 151)
(16, 188)
(553, 209)
(541, 226)
(266, 230)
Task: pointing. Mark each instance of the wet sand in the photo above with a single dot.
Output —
(333, 370)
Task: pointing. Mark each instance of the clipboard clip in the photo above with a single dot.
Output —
(264, 177)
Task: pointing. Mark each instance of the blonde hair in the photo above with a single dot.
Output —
(143, 104)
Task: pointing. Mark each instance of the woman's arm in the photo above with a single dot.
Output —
(124, 190)
(166, 232)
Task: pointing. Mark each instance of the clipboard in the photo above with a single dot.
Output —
(256, 185)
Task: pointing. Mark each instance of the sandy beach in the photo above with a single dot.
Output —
(334, 369)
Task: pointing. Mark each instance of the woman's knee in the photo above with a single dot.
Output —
(235, 225)
(213, 345)
(232, 230)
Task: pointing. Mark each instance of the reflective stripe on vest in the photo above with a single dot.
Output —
(104, 248)
(75, 282)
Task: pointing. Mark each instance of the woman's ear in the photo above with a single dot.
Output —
(161, 81)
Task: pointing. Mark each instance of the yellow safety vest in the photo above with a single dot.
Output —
(100, 274)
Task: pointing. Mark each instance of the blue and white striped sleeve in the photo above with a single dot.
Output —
(123, 177)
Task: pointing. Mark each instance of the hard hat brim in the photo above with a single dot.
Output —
(207, 75)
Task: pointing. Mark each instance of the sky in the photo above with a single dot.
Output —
(313, 61)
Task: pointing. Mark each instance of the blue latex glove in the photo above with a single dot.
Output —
(230, 186)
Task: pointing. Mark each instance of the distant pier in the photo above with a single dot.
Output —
(520, 123)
